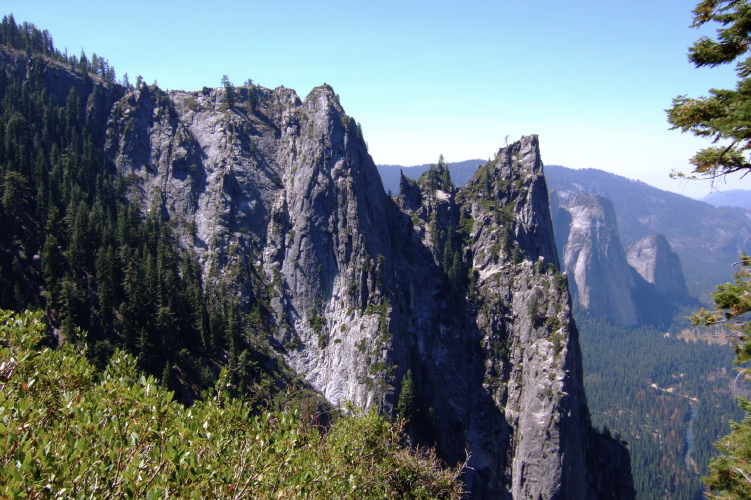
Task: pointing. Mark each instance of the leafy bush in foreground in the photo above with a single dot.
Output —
(67, 431)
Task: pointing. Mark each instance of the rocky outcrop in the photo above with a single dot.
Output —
(602, 280)
(281, 203)
(529, 346)
(656, 262)
(409, 193)
(707, 239)
(642, 286)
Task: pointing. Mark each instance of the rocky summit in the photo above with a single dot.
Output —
(654, 260)
(456, 294)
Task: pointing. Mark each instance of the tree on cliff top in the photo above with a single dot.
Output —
(229, 92)
(724, 115)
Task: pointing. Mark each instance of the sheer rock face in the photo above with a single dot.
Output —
(654, 259)
(410, 196)
(603, 281)
(643, 285)
(529, 344)
(361, 286)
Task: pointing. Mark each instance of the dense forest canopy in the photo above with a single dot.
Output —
(73, 245)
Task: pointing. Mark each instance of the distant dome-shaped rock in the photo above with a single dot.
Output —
(654, 259)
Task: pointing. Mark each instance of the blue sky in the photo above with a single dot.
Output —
(427, 78)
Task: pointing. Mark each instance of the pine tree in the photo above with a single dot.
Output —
(229, 92)
(731, 472)
(723, 116)
(455, 275)
(406, 407)
(166, 377)
(106, 262)
(52, 265)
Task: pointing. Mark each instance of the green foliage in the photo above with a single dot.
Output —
(380, 263)
(229, 92)
(382, 311)
(318, 323)
(67, 432)
(554, 324)
(730, 473)
(495, 251)
(253, 95)
(362, 346)
(560, 281)
(621, 365)
(415, 219)
(732, 303)
(467, 225)
(437, 177)
(406, 407)
(377, 367)
(516, 253)
(505, 215)
(723, 116)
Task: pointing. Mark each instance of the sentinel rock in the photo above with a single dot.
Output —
(654, 259)
(530, 352)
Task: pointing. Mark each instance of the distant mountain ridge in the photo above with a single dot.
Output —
(730, 198)
(643, 284)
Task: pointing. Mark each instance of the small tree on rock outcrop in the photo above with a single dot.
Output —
(229, 92)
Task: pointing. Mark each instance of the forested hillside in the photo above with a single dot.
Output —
(729, 198)
(670, 398)
(73, 245)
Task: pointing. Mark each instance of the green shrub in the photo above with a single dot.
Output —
(361, 346)
(67, 431)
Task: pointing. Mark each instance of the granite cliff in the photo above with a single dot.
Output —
(654, 260)
(457, 292)
(602, 280)
(643, 284)
(707, 239)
